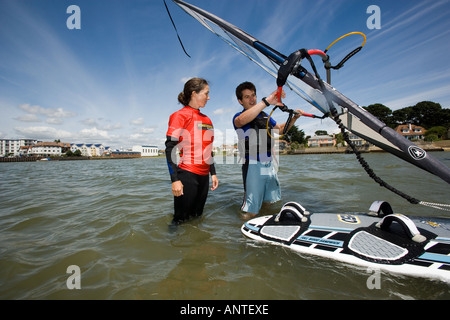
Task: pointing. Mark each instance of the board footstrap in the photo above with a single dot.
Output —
(287, 225)
(385, 243)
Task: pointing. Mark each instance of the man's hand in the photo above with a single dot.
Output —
(273, 98)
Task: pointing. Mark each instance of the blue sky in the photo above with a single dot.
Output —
(116, 80)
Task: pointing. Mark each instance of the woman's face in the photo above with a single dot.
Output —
(200, 99)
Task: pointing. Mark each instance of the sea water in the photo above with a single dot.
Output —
(99, 229)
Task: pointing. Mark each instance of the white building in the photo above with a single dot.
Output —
(11, 147)
(95, 150)
(48, 149)
(321, 141)
(76, 146)
(146, 151)
(224, 149)
(357, 141)
(90, 149)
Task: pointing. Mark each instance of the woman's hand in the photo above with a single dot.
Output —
(215, 182)
(177, 188)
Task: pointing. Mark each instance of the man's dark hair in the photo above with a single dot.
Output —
(242, 87)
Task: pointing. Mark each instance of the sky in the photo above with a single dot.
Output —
(116, 79)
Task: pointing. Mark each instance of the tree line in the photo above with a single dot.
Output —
(427, 114)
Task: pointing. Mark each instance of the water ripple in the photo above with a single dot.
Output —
(111, 218)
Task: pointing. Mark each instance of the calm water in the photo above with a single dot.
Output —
(110, 218)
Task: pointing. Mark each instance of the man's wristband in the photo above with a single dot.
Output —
(265, 101)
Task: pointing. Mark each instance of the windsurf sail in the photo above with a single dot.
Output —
(289, 72)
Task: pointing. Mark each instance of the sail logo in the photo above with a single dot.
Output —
(417, 153)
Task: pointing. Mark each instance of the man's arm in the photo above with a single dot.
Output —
(250, 114)
(280, 127)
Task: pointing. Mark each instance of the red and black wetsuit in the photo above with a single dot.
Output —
(192, 133)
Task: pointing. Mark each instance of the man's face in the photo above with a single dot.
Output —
(248, 99)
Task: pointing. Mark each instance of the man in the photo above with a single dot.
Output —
(255, 146)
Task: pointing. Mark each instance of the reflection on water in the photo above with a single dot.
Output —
(111, 218)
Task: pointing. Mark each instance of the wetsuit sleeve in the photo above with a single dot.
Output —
(170, 144)
(272, 122)
(212, 167)
(235, 116)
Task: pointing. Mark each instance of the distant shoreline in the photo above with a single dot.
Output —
(43, 159)
(443, 145)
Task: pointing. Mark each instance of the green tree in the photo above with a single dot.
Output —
(426, 114)
(431, 137)
(402, 116)
(439, 131)
(295, 145)
(321, 133)
(295, 135)
(382, 112)
(444, 118)
(340, 139)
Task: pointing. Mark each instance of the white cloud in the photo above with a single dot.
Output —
(94, 133)
(28, 118)
(222, 111)
(49, 112)
(414, 98)
(54, 121)
(111, 127)
(53, 116)
(101, 125)
(89, 122)
(137, 122)
(43, 133)
(60, 113)
(148, 130)
(137, 137)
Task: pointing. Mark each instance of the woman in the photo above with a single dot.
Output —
(192, 133)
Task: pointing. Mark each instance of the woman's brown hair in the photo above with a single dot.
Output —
(194, 84)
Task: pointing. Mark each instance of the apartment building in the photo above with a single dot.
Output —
(146, 151)
(12, 147)
(48, 149)
(89, 149)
